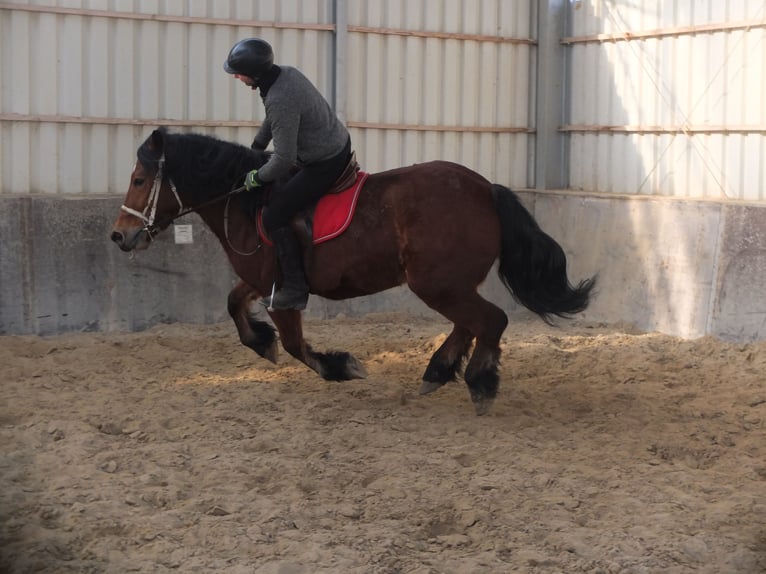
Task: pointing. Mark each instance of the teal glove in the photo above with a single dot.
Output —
(252, 181)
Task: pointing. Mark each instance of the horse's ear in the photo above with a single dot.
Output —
(157, 139)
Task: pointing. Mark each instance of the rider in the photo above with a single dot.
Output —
(307, 133)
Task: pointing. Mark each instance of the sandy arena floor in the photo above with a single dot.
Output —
(178, 450)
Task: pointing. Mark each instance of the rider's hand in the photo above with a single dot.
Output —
(252, 181)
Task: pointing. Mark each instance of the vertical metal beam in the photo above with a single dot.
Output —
(341, 58)
(551, 151)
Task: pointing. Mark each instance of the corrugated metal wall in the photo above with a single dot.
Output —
(663, 97)
(668, 97)
(83, 82)
(454, 74)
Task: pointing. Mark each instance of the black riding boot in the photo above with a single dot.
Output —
(294, 293)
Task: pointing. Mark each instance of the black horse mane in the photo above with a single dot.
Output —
(201, 166)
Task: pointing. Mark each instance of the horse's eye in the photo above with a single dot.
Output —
(139, 181)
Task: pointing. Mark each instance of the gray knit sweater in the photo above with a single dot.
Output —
(302, 124)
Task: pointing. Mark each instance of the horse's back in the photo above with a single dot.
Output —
(440, 207)
(436, 191)
(434, 172)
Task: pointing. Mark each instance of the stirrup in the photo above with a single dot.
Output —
(292, 299)
(298, 302)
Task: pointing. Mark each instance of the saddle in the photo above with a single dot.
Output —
(331, 215)
(348, 177)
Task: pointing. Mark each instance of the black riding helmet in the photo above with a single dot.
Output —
(251, 57)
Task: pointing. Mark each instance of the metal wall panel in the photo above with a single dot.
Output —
(89, 79)
(687, 102)
(84, 82)
(429, 95)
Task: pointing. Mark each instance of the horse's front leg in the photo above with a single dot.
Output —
(331, 366)
(258, 335)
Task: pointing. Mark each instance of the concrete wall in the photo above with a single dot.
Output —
(686, 268)
(59, 272)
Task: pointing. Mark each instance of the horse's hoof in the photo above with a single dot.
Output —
(272, 353)
(356, 369)
(429, 387)
(339, 366)
(439, 373)
(482, 405)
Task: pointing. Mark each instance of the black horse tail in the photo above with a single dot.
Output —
(532, 265)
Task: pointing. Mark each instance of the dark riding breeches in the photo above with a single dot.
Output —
(304, 188)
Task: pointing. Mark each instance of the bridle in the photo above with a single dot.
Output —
(151, 226)
(150, 211)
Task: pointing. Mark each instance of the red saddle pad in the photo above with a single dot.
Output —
(333, 212)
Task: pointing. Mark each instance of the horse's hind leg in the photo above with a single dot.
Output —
(258, 335)
(482, 377)
(486, 322)
(481, 373)
(332, 366)
(448, 360)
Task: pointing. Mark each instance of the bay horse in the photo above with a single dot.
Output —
(436, 226)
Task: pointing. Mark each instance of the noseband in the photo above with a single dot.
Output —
(150, 211)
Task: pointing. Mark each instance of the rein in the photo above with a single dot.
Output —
(151, 227)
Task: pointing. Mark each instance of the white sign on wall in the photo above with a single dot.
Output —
(183, 234)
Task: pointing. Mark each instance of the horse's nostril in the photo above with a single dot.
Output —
(117, 237)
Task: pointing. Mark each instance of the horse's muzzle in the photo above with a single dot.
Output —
(119, 239)
(130, 241)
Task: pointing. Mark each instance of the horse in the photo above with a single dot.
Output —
(438, 227)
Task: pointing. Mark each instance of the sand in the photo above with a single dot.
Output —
(179, 450)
